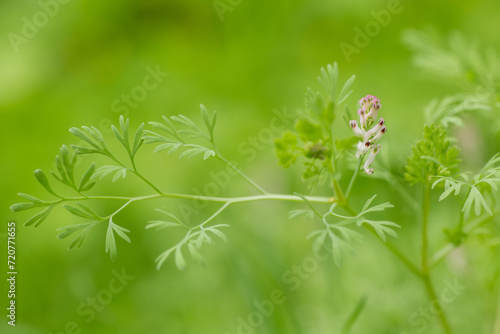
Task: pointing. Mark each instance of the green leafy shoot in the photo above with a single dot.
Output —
(172, 221)
(103, 171)
(39, 217)
(287, 149)
(486, 180)
(307, 214)
(381, 227)
(453, 59)
(193, 241)
(335, 239)
(34, 202)
(171, 138)
(110, 238)
(376, 208)
(329, 80)
(82, 211)
(312, 137)
(433, 156)
(85, 183)
(122, 135)
(209, 121)
(65, 164)
(451, 109)
(93, 137)
(83, 229)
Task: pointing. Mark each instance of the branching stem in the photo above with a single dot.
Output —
(222, 208)
(249, 180)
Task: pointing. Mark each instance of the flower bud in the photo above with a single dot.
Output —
(379, 134)
(371, 158)
(375, 129)
(363, 147)
(362, 119)
(357, 130)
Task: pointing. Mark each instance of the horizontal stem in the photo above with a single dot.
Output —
(277, 197)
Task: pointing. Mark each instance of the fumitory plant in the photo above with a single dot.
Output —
(330, 163)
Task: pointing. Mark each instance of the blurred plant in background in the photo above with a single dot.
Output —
(434, 162)
(262, 56)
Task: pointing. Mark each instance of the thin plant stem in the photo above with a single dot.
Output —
(255, 185)
(222, 208)
(277, 197)
(353, 179)
(147, 181)
(425, 224)
(120, 209)
(433, 296)
(425, 276)
(413, 268)
(134, 170)
(346, 329)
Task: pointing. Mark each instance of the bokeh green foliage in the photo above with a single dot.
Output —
(263, 55)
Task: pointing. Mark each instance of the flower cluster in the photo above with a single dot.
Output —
(369, 130)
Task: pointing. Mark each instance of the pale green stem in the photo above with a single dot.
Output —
(278, 197)
(353, 179)
(120, 209)
(346, 329)
(425, 223)
(147, 181)
(255, 185)
(222, 208)
(134, 170)
(436, 301)
(425, 276)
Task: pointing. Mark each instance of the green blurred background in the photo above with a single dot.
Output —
(262, 55)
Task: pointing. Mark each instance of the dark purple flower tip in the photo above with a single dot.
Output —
(383, 130)
(381, 121)
(353, 124)
(367, 144)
